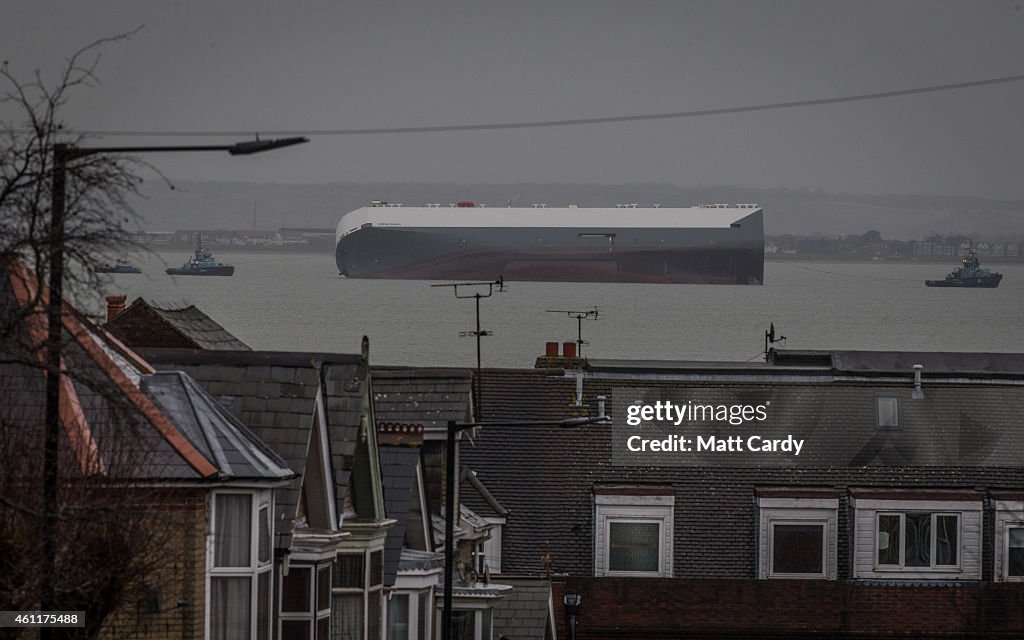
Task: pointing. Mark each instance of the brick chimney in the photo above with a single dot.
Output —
(115, 305)
(568, 359)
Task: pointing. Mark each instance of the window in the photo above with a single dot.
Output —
(408, 614)
(357, 592)
(1015, 552)
(306, 602)
(931, 535)
(633, 546)
(1009, 540)
(239, 566)
(798, 536)
(888, 413)
(471, 624)
(423, 616)
(398, 617)
(918, 539)
(798, 548)
(633, 534)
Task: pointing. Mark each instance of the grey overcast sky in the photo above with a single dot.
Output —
(271, 65)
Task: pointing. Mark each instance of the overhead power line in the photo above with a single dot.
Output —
(537, 124)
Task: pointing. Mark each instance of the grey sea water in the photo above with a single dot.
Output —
(295, 302)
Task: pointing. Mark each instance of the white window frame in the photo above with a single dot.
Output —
(317, 611)
(478, 622)
(367, 591)
(414, 611)
(902, 566)
(1009, 515)
(772, 573)
(970, 529)
(259, 499)
(610, 509)
(878, 410)
(798, 511)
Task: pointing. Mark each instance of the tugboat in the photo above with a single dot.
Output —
(121, 266)
(202, 264)
(971, 274)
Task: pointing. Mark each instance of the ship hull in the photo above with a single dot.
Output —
(211, 271)
(970, 283)
(665, 255)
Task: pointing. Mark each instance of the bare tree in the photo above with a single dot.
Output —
(98, 219)
(109, 523)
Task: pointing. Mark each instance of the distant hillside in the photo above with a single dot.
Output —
(231, 205)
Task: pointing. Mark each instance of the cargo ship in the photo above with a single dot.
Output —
(705, 244)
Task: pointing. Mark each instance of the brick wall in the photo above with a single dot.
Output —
(178, 577)
(722, 608)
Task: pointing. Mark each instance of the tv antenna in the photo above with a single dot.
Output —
(477, 288)
(770, 339)
(591, 314)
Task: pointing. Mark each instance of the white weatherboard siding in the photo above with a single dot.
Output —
(784, 511)
(866, 545)
(633, 508)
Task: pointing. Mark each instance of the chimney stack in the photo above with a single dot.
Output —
(115, 305)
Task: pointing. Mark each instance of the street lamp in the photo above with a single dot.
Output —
(62, 155)
(571, 602)
(454, 428)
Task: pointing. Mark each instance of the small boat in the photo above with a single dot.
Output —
(120, 266)
(970, 274)
(202, 264)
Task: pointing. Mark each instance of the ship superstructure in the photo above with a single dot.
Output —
(712, 244)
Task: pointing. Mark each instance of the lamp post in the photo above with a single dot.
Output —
(454, 428)
(63, 154)
(571, 602)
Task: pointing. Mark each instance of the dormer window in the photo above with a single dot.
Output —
(887, 411)
(634, 531)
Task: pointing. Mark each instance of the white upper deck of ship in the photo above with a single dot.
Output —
(708, 216)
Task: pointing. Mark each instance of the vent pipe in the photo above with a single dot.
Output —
(600, 407)
(918, 392)
(579, 388)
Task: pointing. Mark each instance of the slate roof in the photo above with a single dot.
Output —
(234, 449)
(168, 324)
(110, 427)
(545, 476)
(274, 394)
(398, 475)
(524, 613)
(430, 397)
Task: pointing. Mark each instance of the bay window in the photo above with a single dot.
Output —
(239, 566)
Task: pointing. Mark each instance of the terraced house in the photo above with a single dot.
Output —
(902, 516)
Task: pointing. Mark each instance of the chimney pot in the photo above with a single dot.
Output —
(115, 305)
(569, 349)
(551, 349)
